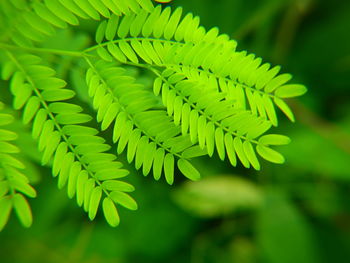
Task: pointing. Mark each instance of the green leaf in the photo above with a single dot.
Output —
(47, 15)
(210, 138)
(6, 135)
(5, 119)
(67, 163)
(102, 53)
(5, 208)
(100, 31)
(23, 187)
(73, 178)
(57, 94)
(284, 108)
(133, 144)
(88, 190)
(61, 151)
(188, 170)
(123, 199)
(88, 9)
(274, 139)
(38, 123)
(140, 51)
(124, 26)
(60, 11)
(267, 77)
(230, 149)
(269, 154)
(6, 147)
(74, 8)
(30, 109)
(148, 25)
(146, 5)
(169, 168)
(112, 27)
(63, 107)
(94, 202)
(100, 7)
(110, 116)
(194, 151)
(74, 130)
(249, 151)
(150, 151)
(54, 139)
(158, 27)
(82, 179)
(128, 52)
(23, 210)
(270, 110)
(171, 27)
(238, 145)
(291, 90)
(22, 96)
(111, 173)
(110, 212)
(157, 85)
(116, 52)
(136, 25)
(158, 163)
(77, 118)
(277, 82)
(219, 142)
(114, 185)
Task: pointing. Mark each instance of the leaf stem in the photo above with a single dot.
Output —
(46, 50)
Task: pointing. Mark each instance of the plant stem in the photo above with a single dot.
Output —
(45, 50)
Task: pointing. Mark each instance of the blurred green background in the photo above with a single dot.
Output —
(296, 212)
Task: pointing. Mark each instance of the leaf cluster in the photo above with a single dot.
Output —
(206, 97)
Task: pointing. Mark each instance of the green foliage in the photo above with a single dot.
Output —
(200, 96)
(13, 183)
(298, 211)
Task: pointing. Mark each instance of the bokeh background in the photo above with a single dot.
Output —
(296, 212)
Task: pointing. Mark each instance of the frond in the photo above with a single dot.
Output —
(14, 185)
(213, 121)
(212, 90)
(37, 20)
(149, 135)
(78, 155)
(162, 39)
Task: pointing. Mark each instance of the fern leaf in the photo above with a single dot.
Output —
(36, 21)
(211, 117)
(187, 49)
(74, 149)
(13, 183)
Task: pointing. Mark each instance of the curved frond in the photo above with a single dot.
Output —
(163, 40)
(78, 155)
(211, 120)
